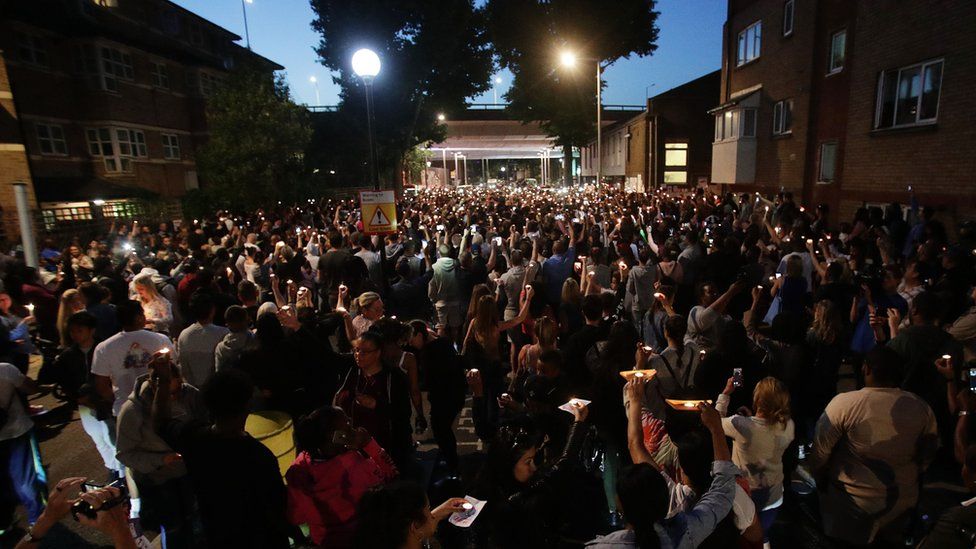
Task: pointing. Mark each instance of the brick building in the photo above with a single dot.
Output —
(110, 96)
(669, 143)
(850, 102)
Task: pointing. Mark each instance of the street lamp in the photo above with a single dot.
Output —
(494, 89)
(441, 117)
(315, 84)
(366, 65)
(247, 34)
(568, 59)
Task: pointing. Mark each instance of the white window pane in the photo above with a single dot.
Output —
(909, 88)
(828, 159)
(930, 91)
(675, 157)
(675, 177)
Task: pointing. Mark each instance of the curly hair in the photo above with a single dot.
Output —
(772, 398)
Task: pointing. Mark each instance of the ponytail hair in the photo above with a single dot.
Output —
(772, 397)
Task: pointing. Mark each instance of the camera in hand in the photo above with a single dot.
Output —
(82, 507)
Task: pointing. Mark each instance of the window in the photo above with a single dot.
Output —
(750, 42)
(735, 123)
(909, 96)
(783, 117)
(676, 154)
(116, 65)
(208, 84)
(131, 142)
(50, 139)
(159, 74)
(171, 146)
(828, 162)
(748, 122)
(117, 147)
(788, 18)
(675, 177)
(838, 49)
(31, 49)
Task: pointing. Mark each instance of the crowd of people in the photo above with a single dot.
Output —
(642, 369)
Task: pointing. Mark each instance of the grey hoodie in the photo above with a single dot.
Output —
(138, 445)
(230, 349)
(443, 287)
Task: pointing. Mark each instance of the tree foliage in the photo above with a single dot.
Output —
(434, 55)
(529, 34)
(258, 136)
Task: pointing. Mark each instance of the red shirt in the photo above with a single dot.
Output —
(324, 493)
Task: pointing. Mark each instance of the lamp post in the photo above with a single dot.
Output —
(247, 34)
(315, 84)
(494, 89)
(366, 65)
(568, 60)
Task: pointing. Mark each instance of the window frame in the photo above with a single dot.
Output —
(820, 162)
(755, 43)
(831, 69)
(114, 70)
(159, 74)
(171, 142)
(880, 92)
(35, 46)
(788, 6)
(124, 145)
(733, 124)
(783, 117)
(51, 139)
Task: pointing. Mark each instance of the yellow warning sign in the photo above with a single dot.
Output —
(378, 209)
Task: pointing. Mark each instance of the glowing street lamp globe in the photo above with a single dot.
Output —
(365, 63)
(567, 59)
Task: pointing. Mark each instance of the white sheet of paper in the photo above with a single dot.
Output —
(568, 407)
(464, 519)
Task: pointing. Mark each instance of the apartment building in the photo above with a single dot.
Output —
(669, 143)
(111, 99)
(849, 102)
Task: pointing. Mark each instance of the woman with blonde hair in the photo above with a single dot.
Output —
(370, 307)
(758, 443)
(71, 302)
(157, 309)
(481, 343)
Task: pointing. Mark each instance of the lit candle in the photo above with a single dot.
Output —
(639, 374)
(30, 309)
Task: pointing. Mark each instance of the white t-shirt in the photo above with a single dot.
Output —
(683, 499)
(18, 422)
(124, 357)
(196, 346)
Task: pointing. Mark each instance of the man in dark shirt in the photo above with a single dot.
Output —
(236, 479)
(576, 347)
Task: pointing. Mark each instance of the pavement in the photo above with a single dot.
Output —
(67, 451)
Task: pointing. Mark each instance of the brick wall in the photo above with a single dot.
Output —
(13, 159)
(940, 160)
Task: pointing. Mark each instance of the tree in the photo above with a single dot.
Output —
(434, 56)
(528, 36)
(257, 141)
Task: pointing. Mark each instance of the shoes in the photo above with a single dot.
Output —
(36, 410)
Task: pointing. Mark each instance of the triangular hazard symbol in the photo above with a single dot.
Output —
(379, 218)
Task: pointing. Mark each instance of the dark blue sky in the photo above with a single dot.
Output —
(689, 46)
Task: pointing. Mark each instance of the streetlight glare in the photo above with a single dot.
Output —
(498, 79)
(312, 79)
(365, 63)
(441, 117)
(567, 58)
